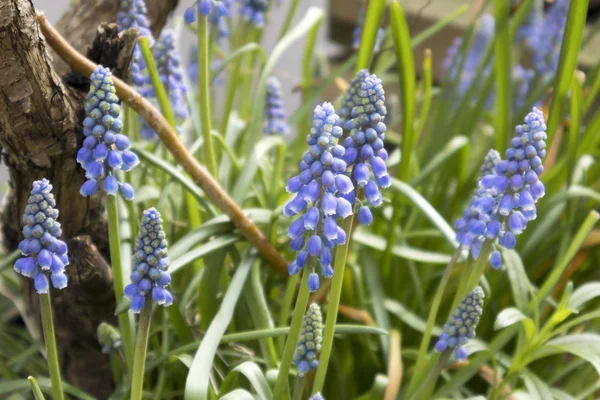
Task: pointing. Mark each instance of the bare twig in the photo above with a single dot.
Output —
(171, 141)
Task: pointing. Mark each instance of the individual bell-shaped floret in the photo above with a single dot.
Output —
(461, 325)
(149, 277)
(105, 148)
(309, 343)
(44, 255)
(108, 337)
(275, 115)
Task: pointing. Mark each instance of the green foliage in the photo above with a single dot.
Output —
(232, 329)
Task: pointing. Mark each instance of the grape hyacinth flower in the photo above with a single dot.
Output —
(363, 113)
(319, 190)
(168, 66)
(275, 115)
(309, 343)
(521, 78)
(461, 325)
(357, 32)
(317, 396)
(108, 337)
(150, 263)
(43, 252)
(215, 11)
(105, 148)
(454, 60)
(254, 11)
(505, 201)
(132, 14)
(530, 29)
(547, 42)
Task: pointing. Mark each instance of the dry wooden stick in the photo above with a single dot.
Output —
(170, 139)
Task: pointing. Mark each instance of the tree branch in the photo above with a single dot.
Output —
(172, 142)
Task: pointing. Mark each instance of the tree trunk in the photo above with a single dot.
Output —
(40, 133)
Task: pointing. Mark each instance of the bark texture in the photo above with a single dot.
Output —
(40, 132)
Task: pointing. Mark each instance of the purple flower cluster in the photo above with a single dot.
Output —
(309, 343)
(254, 11)
(275, 115)
(319, 191)
(521, 78)
(362, 114)
(43, 251)
(505, 200)
(132, 14)
(461, 325)
(547, 41)
(150, 263)
(317, 396)
(216, 11)
(168, 66)
(357, 33)
(472, 58)
(105, 149)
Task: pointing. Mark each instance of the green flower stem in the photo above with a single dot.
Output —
(114, 238)
(50, 341)
(246, 100)
(279, 167)
(286, 306)
(172, 142)
(299, 389)
(288, 18)
(435, 306)
(427, 85)
(339, 267)
(141, 345)
(502, 47)
(204, 92)
(425, 389)
(281, 390)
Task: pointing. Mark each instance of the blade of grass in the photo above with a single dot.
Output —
(196, 387)
(369, 34)
(567, 63)
(503, 70)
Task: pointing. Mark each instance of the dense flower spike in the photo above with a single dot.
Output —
(363, 113)
(530, 29)
(521, 78)
(469, 62)
(105, 149)
(150, 263)
(317, 396)
(548, 38)
(309, 343)
(216, 11)
(461, 325)
(132, 14)
(43, 252)
(275, 115)
(506, 197)
(319, 190)
(168, 66)
(254, 11)
(108, 337)
(357, 32)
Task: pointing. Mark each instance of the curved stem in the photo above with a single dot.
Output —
(141, 344)
(435, 306)
(114, 239)
(339, 268)
(204, 92)
(50, 341)
(171, 140)
(299, 389)
(281, 386)
(429, 383)
(288, 18)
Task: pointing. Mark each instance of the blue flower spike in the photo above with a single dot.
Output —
(105, 148)
(461, 325)
(254, 11)
(548, 37)
(363, 114)
(317, 396)
(150, 278)
(44, 255)
(275, 115)
(320, 200)
(309, 343)
(506, 198)
(132, 14)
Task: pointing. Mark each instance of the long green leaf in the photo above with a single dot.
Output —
(256, 378)
(503, 70)
(247, 48)
(21, 385)
(567, 63)
(369, 33)
(584, 345)
(201, 251)
(196, 386)
(453, 147)
(240, 188)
